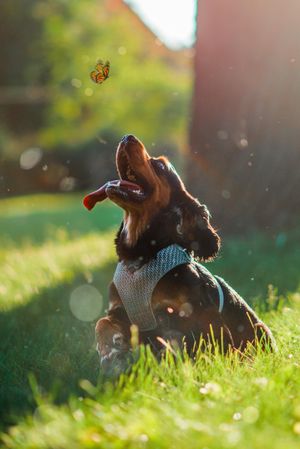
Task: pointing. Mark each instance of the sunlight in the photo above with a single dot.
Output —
(172, 21)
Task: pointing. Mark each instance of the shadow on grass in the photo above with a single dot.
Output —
(44, 338)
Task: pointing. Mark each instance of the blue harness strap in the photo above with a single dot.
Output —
(135, 287)
(216, 282)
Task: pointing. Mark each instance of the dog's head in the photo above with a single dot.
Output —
(158, 209)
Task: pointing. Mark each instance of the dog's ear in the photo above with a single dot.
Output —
(195, 231)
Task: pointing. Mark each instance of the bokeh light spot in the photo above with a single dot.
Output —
(67, 184)
(296, 428)
(88, 92)
(76, 83)
(86, 303)
(186, 309)
(122, 51)
(226, 194)
(251, 414)
(243, 143)
(30, 158)
(222, 134)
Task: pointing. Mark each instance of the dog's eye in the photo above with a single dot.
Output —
(161, 165)
(158, 165)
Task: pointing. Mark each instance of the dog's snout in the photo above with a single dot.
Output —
(129, 138)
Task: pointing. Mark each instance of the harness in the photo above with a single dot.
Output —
(136, 286)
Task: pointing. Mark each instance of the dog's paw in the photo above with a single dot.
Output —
(119, 341)
(115, 363)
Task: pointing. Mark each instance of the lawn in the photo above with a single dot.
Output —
(54, 255)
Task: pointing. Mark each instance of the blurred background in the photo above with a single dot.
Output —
(224, 108)
(217, 91)
(58, 129)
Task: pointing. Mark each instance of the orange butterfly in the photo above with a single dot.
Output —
(101, 73)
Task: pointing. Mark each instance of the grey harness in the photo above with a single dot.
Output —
(136, 286)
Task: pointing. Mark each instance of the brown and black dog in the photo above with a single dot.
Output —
(159, 212)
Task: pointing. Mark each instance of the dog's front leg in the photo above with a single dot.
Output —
(113, 345)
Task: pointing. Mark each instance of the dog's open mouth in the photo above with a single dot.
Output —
(130, 188)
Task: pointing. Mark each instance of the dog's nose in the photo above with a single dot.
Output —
(128, 138)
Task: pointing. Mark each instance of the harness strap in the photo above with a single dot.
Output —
(215, 281)
(221, 296)
(135, 287)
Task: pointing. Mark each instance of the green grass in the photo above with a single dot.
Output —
(36, 219)
(50, 246)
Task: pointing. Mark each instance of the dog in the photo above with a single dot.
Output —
(159, 285)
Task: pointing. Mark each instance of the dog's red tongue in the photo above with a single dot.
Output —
(91, 199)
(99, 195)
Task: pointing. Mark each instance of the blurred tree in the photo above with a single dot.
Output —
(20, 53)
(51, 47)
(245, 134)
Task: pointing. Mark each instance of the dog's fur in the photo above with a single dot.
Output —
(184, 301)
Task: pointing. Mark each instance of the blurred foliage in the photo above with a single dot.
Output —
(55, 45)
